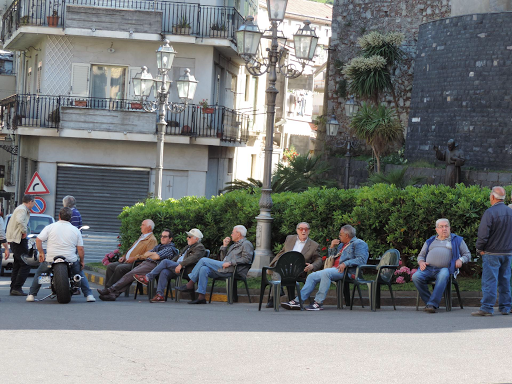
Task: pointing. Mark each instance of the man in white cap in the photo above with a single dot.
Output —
(168, 269)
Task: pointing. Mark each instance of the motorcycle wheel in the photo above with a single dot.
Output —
(61, 283)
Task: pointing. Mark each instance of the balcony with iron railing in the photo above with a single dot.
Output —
(178, 18)
(120, 115)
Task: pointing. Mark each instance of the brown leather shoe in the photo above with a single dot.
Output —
(158, 299)
(141, 279)
(109, 297)
(104, 291)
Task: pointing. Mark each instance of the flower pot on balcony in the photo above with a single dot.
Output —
(136, 105)
(216, 33)
(208, 111)
(181, 30)
(80, 103)
(219, 135)
(186, 129)
(53, 21)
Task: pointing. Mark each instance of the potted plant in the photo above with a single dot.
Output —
(182, 28)
(135, 105)
(53, 20)
(206, 109)
(24, 20)
(80, 103)
(218, 30)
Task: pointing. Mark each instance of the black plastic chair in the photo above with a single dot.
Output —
(231, 279)
(447, 293)
(343, 291)
(139, 287)
(178, 281)
(387, 266)
(289, 266)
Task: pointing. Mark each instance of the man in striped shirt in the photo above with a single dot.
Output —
(76, 218)
(165, 250)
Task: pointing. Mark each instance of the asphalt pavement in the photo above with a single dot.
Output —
(134, 341)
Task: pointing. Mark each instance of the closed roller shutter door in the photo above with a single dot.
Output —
(101, 192)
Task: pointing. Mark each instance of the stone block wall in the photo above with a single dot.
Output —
(463, 90)
(354, 18)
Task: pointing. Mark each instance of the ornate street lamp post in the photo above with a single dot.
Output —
(143, 84)
(248, 39)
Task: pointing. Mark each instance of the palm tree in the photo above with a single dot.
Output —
(378, 126)
(301, 173)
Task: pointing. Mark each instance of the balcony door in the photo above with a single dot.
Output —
(108, 86)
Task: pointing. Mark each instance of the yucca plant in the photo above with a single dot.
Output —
(378, 126)
(396, 178)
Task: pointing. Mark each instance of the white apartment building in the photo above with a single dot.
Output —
(299, 100)
(75, 118)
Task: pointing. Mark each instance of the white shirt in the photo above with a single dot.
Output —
(142, 237)
(62, 239)
(299, 245)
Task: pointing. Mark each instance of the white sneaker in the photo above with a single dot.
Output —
(30, 298)
(90, 299)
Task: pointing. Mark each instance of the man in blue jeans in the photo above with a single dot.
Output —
(63, 239)
(349, 252)
(441, 255)
(494, 244)
(240, 252)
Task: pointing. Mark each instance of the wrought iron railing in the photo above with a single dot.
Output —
(44, 111)
(178, 18)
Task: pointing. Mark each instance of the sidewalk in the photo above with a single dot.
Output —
(402, 298)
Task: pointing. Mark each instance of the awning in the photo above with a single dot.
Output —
(299, 128)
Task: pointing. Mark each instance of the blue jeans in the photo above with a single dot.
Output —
(204, 269)
(164, 270)
(495, 276)
(325, 277)
(421, 280)
(45, 267)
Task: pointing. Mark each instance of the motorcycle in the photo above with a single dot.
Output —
(63, 283)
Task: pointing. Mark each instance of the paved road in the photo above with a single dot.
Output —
(131, 341)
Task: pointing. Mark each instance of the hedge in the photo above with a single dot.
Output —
(383, 215)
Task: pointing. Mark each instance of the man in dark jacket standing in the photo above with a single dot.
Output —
(494, 244)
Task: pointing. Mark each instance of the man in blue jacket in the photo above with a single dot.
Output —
(494, 244)
(349, 252)
(440, 256)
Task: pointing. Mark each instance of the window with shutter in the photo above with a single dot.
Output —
(80, 79)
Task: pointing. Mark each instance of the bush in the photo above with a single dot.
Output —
(384, 216)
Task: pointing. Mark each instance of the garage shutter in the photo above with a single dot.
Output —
(101, 192)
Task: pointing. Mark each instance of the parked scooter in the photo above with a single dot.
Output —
(62, 283)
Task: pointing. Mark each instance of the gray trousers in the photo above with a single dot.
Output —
(115, 271)
(124, 282)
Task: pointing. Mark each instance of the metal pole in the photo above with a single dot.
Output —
(263, 252)
(160, 141)
(347, 166)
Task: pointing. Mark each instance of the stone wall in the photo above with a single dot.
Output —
(354, 18)
(466, 7)
(359, 175)
(463, 90)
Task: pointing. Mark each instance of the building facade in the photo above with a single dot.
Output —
(75, 118)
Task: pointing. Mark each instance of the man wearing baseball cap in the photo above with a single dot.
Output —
(168, 269)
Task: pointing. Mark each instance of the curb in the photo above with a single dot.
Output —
(402, 298)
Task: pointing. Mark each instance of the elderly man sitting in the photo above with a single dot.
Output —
(165, 250)
(238, 253)
(350, 253)
(439, 257)
(167, 269)
(303, 244)
(144, 243)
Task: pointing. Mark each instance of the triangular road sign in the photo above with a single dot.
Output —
(37, 186)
